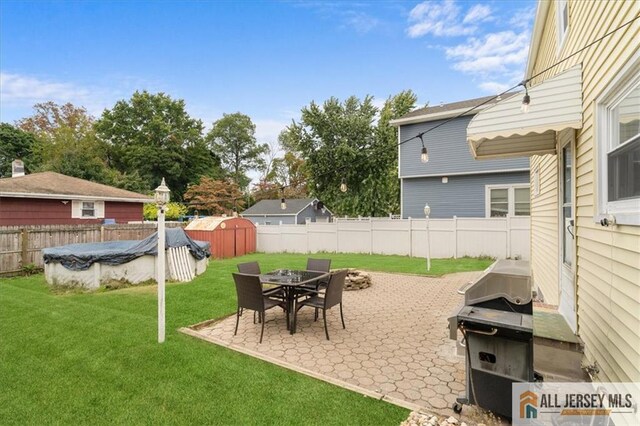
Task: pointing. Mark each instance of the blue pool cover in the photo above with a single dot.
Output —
(80, 257)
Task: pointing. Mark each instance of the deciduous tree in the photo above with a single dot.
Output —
(215, 196)
(15, 144)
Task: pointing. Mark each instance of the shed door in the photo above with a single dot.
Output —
(241, 246)
(229, 244)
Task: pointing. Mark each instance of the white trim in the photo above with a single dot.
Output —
(483, 172)
(626, 212)
(561, 35)
(77, 207)
(510, 187)
(538, 31)
(434, 116)
(267, 215)
(73, 197)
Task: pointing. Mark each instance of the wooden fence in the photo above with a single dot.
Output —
(20, 245)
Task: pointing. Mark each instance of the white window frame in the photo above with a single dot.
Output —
(626, 212)
(77, 207)
(561, 32)
(511, 199)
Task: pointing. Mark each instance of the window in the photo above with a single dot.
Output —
(88, 209)
(618, 120)
(507, 200)
(81, 209)
(562, 17)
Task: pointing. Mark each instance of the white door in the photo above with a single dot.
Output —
(567, 232)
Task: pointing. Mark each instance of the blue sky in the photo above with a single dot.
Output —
(264, 59)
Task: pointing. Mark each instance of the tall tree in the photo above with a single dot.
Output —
(215, 196)
(152, 135)
(342, 142)
(15, 144)
(233, 139)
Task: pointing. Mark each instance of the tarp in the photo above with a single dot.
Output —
(80, 257)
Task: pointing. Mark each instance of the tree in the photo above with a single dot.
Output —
(152, 135)
(341, 142)
(173, 211)
(232, 138)
(215, 196)
(15, 144)
(65, 142)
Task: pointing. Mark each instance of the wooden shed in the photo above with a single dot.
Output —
(228, 236)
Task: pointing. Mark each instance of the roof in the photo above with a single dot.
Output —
(505, 131)
(210, 223)
(272, 207)
(445, 111)
(58, 186)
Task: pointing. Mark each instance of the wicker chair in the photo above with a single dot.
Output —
(319, 265)
(250, 296)
(253, 268)
(332, 297)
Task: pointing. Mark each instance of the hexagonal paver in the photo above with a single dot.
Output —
(396, 342)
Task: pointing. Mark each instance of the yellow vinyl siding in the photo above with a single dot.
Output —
(607, 259)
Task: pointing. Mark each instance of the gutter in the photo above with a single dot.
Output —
(73, 197)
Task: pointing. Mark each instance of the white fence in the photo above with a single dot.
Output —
(456, 237)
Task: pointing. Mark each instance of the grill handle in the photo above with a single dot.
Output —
(464, 288)
(486, 333)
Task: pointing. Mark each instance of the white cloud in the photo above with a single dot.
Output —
(361, 22)
(491, 54)
(20, 89)
(523, 18)
(439, 19)
(477, 13)
(494, 86)
(267, 130)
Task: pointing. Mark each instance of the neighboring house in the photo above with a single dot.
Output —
(297, 211)
(50, 198)
(583, 136)
(452, 182)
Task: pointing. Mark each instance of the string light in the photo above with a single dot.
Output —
(343, 185)
(424, 154)
(526, 100)
(283, 202)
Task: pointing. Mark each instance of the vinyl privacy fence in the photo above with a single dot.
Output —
(22, 245)
(457, 237)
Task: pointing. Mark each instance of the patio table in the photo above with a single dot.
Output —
(290, 280)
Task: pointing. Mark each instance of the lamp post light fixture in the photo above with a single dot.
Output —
(427, 212)
(161, 199)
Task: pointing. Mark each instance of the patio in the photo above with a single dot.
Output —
(395, 347)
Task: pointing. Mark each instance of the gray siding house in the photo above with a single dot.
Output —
(298, 211)
(452, 182)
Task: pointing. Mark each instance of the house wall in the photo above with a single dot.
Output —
(462, 196)
(608, 258)
(448, 151)
(314, 214)
(32, 211)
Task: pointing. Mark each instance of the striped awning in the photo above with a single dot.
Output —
(503, 130)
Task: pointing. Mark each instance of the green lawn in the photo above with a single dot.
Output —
(92, 358)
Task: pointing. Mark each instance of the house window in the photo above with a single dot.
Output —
(81, 209)
(618, 118)
(88, 209)
(507, 200)
(562, 17)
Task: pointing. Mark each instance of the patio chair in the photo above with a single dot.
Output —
(320, 265)
(253, 268)
(250, 296)
(332, 297)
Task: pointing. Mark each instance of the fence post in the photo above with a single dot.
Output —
(24, 255)
(508, 223)
(370, 235)
(455, 237)
(102, 233)
(410, 237)
(306, 224)
(337, 237)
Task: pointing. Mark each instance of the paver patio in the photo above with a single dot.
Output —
(396, 345)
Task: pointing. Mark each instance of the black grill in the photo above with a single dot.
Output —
(496, 325)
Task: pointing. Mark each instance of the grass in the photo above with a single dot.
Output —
(80, 358)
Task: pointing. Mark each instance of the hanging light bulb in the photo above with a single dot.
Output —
(424, 156)
(343, 185)
(283, 204)
(526, 100)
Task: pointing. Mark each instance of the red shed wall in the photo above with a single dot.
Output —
(35, 211)
(238, 237)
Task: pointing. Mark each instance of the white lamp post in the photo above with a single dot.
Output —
(427, 211)
(162, 199)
